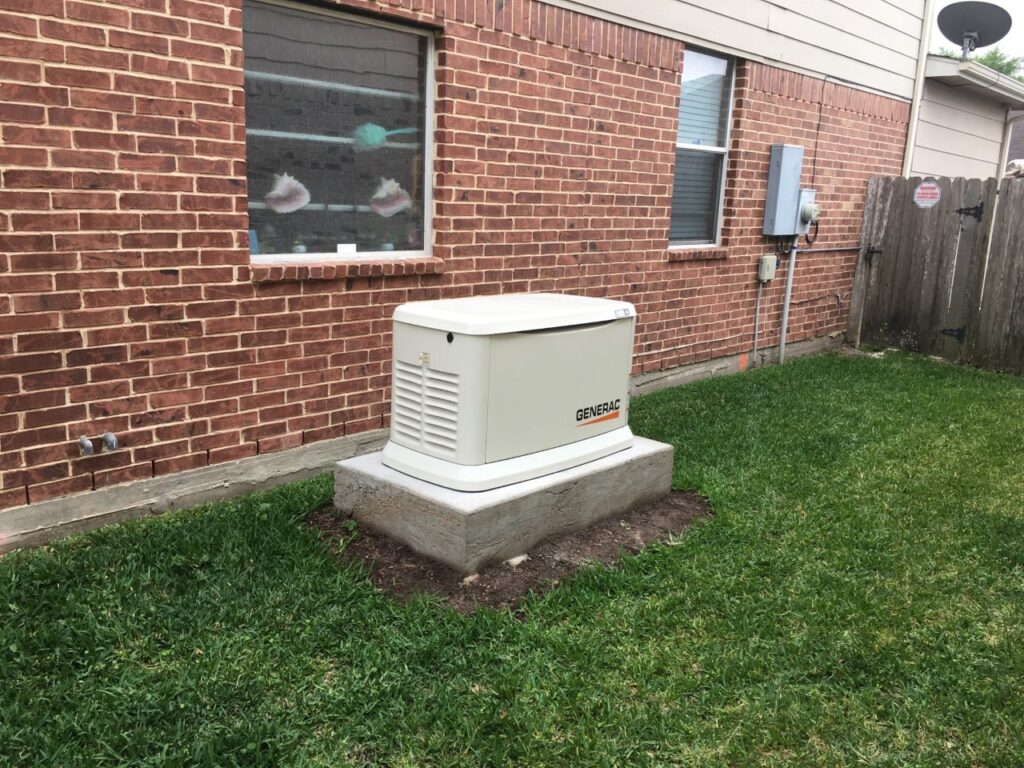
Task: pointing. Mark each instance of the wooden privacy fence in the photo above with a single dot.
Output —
(943, 276)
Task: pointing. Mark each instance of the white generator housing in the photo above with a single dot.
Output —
(493, 390)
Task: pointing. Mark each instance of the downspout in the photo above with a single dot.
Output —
(915, 104)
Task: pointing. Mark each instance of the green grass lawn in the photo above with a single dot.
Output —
(858, 599)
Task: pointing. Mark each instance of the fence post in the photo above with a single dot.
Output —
(855, 315)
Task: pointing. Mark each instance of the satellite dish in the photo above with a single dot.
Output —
(974, 24)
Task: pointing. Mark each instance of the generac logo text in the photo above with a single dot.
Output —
(594, 414)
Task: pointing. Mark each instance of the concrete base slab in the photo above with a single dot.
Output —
(469, 530)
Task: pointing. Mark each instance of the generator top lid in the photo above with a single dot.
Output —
(511, 312)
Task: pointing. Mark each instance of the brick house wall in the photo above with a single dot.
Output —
(127, 301)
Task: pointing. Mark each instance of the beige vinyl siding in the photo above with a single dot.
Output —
(958, 134)
(869, 43)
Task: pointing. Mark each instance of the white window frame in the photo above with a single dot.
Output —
(723, 151)
(429, 92)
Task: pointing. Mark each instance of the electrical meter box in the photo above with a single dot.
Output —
(781, 208)
(493, 390)
(807, 211)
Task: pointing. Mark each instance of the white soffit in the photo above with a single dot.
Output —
(976, 79)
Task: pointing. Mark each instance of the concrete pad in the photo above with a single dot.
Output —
(469, 530)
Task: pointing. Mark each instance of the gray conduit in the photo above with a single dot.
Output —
(790, 270)
(757, 320)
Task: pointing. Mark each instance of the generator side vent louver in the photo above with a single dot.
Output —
(425, 406)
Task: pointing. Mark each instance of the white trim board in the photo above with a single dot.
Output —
(860, 48)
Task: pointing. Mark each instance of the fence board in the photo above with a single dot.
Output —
(861, 276)
(979, 336)
(876, 220)
(987, 342)
(934, 247)
(883, 265)
(969, 258)
(1003, 298)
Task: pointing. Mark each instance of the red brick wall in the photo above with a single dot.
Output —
(848, 136)
(126, 299)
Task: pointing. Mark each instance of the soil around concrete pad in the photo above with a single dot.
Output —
(398, 571)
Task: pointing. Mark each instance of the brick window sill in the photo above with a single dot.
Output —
(338, 270)
(712, 253)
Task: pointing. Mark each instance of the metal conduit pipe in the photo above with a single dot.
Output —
(846, 248)
(757, 319)
(790, 269)
(788, 299)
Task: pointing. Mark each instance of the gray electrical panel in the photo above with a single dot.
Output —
(781, 208)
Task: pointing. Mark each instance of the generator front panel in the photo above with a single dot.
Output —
(553, 387)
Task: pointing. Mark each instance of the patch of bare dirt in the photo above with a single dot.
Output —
(398, 571)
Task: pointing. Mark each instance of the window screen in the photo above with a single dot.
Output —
(695, 195)
(335, 132)
(704, 109)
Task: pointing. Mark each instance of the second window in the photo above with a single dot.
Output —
(701, 148)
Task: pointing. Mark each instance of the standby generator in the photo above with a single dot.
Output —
(493, 390)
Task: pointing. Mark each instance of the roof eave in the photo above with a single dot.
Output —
(977, 79)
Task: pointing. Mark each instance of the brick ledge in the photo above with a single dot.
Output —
(34, 524)
(338, 270)
(697, 254)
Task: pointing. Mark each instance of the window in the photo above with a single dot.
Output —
(701, 148)
(337, 138)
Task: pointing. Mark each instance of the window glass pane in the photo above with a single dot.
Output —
(335, 132)
(695, 196)
(704, 106)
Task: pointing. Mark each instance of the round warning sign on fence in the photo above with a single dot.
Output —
(927, 194)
